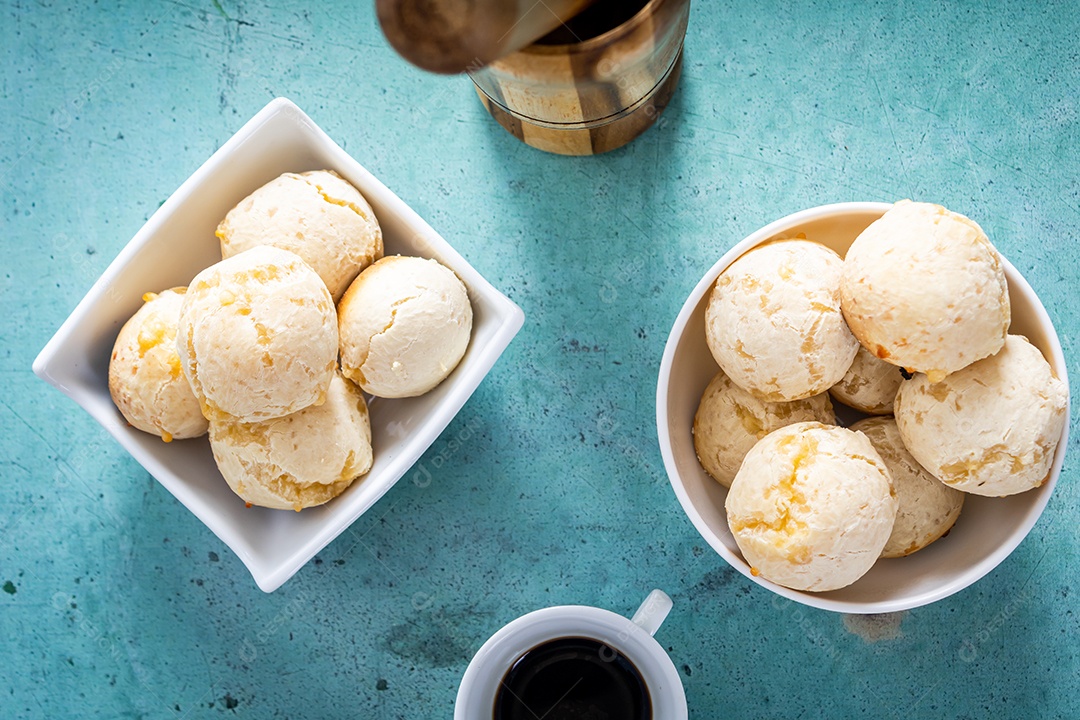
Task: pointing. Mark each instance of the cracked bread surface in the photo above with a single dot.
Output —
(257, 336)
(928, 508)
(812, 506)
(923, 288)
(729, 421)
(404, 325)
(317, 215)
(773, 321)
(300, 460)
(869, 385)
(991, 428)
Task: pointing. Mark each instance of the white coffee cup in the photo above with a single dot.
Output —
(632, 638)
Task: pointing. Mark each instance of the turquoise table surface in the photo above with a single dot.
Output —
(548, 488)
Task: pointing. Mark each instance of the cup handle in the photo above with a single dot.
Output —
(653, 611)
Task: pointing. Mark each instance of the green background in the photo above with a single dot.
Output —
(548, 488)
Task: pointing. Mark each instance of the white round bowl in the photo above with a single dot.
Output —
(988, 529)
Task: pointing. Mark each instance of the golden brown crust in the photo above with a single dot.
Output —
(146, 381)
(991, 428)
(299, 460)
(729, 421)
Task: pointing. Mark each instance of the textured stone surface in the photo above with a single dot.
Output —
(548, 488)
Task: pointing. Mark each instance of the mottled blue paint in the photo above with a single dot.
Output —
(548, 488)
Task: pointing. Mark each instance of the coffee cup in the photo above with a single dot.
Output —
(562, 660)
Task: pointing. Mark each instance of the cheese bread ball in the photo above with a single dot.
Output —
(869, 385)
(812, 506)
(991, 428)
(257, 336)
(924, 289)
(146, 380)
(317, 215)
(405, 323)
(729, 421)
(299, 460)
(928, 507)
(774, 324)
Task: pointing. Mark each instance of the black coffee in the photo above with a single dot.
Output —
(597, 19)
(572, 679)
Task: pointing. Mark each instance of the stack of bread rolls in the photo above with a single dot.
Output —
(249, 349)
(910, 330)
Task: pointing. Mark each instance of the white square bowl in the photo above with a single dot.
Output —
(176, 243)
